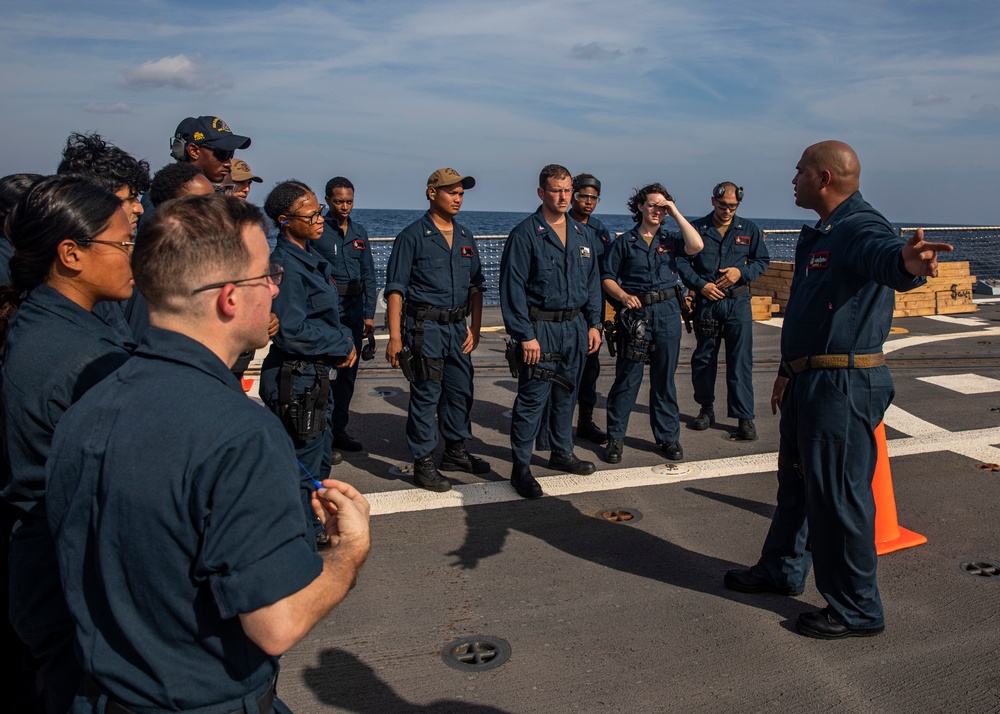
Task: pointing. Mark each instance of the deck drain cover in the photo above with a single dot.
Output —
(620, 515)
(402, 470)
(476, 653)
(384, 392)
(990, 467)
(981, 568)
(672, 469)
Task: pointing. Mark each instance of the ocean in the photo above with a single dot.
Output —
(978, 246)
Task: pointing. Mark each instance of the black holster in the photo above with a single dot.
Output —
(515, 360)
(706, 327)
(304, 416)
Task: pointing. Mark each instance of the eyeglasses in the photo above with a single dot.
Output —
(726, 206)
(222, 155)
(273, 276)
(657, 207)
(312, 218)
(587, 197)
(125, 245)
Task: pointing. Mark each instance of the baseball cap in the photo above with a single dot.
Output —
(239, 170)
(211, 131)
(447, 177)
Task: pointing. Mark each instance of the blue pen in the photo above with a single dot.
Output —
(315, 482)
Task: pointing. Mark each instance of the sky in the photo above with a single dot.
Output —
(633, 91)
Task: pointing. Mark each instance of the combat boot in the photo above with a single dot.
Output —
(746, 431)
(705, 419)
(587, 429)
(613, 451)
(425, 475)
(456, 457)
(524, 483)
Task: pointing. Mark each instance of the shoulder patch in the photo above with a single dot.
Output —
(467, 251)
(605, 238)
(358, 244)
(742, 240)
(818, 260)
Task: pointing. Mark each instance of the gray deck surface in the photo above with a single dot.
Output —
(633, 617)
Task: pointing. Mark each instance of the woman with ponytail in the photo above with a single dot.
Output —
(72, 246)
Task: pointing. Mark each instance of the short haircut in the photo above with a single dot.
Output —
(282, 198)
(337, 182)
(554, 171)
(103, 163)
(188, 242)
(639, 198)
(168, 181)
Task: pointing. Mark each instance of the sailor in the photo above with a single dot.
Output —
(182, 550)
(551, 304)
(433, 281)
(345, 247)
(310, 342)
(733, 257)
(833, 389)
(243, 177)
(640, 273)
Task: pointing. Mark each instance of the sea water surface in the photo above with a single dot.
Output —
(980, 248)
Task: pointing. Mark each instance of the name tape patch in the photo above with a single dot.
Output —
(818, 260)
(742, 240)
(358, 244)
(467, 251)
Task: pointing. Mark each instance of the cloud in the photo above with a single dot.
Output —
(594, 51)
(988, 109)
(178, 72)
(119, 108)
(930, 99)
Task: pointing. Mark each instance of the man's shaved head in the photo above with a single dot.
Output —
(840, 160)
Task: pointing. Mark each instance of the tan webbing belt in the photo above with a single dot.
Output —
(835, 362)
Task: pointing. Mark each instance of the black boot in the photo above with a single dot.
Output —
(587, 429)
(705, 419)
(746, 431)
(524, 483)
(425, 475)
(456, 457)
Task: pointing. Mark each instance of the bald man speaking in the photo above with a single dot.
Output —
(833, 388)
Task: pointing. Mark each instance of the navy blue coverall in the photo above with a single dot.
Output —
(307, 307)
(349, 257)
(841, 303)
(600, 238)
(536, 271)
(174, 510)
(742, 247)
(426, 272)
(54, 352)
(640, 269)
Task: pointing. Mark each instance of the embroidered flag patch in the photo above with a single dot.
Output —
(742, 240)
(818, 260)
(358, 244)
(467, 251)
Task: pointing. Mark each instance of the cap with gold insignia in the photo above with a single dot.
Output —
(211, 131)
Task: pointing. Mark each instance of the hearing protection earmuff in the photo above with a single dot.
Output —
(720, 191)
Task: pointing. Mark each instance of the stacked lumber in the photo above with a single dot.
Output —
(950, 293)
(762, 307)
(775, 284)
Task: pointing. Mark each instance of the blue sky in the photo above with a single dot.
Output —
(633, 91)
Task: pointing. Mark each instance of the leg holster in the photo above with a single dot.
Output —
(304, 415)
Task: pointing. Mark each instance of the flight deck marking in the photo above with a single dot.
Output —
(964, 383)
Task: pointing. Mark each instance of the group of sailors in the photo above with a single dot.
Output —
(70, 317)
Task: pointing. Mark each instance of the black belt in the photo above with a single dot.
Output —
(356, 288)
(93, 692)
(536, 313)
(737, 290)
(651, 298)
(427, 312)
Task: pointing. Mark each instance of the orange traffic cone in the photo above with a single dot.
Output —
(889, 536)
